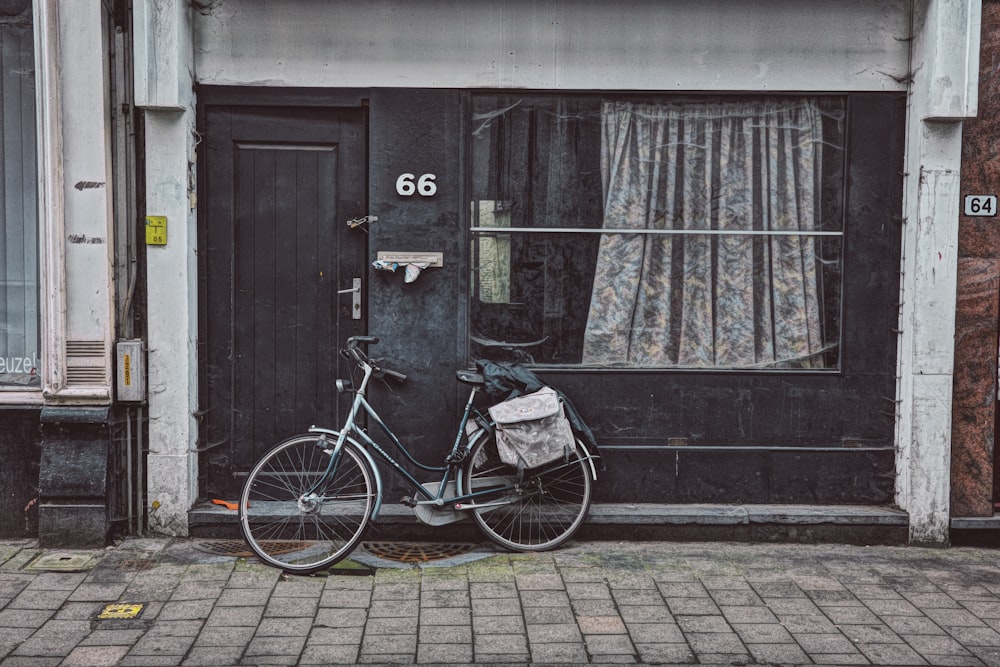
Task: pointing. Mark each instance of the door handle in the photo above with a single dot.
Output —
(355, 292)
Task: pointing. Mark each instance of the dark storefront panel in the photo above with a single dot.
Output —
(845, 417)
(669, 435)
(20, 447)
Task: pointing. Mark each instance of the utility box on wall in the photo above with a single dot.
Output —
(131, 365)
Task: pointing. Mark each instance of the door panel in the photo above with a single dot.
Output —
(280, 186)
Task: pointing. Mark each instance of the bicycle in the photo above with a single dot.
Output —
(308, 502)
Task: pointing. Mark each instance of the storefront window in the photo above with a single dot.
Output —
(700, 233)
(19, 295)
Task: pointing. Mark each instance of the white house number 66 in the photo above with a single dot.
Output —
(408, 185)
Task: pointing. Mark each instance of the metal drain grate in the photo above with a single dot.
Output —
(416, 552)
(239, 549)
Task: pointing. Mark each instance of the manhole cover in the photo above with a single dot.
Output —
(239, 548)
(416, 552)
(62, 562)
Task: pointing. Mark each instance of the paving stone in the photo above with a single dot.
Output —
(608, 645)
(290, 607)
(392, 626)
(234, 616)
(894, 608)
(544, 598)
(277, 627)
(778, 654)
(852, 615)
(501, 644)
(891, 654)
(854, 658)
(393, 608)
(493, 590)
(497, 625)
(871, 634)
(212, 656)
(954, 618)
(571, 653)
(439, 654)
(539, 582)
(95, 656)
(655, 633)
(24, 618)
(340, 618)
(807, 623)
(665, 653)
(792, 606)
(445, 634)
(275, 646)
(162, 645)
(823, 642)
(682, 590)
(601, 625)
(778, 589)
(394, 644)
(692, 605)
(342, 598)
(219, 636)
(763, 633)
(714, 642)
(186, 609)
(984, 636)
(329, 654)
(496, 606)
(336, 636)
(646, 614)
(201, 590)
(548, 615)
(553, 632)
(243, 597)
(703, 624)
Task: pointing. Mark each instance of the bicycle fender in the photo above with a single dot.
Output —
(371, 464)
(590, 459)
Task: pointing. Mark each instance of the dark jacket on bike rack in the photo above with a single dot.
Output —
(503, 381)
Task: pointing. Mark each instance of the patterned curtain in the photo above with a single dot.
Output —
(683, 299)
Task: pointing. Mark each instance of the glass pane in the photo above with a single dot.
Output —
(691, 233)
(19, 329)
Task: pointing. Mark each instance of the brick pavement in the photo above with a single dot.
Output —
(592, 602)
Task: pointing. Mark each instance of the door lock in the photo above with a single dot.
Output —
(355, 292)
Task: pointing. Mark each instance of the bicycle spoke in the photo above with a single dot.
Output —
(543, 508)
(297, 516)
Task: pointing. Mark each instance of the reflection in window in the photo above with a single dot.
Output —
(19, 336)
(694, 233)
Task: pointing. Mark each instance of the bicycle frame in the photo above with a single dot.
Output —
(364, 442)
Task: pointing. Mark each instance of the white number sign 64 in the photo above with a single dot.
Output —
(408, 184)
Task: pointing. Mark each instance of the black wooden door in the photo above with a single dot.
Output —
(277, 263)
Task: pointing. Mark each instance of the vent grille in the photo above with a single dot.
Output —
(85, 348)
(86, 363)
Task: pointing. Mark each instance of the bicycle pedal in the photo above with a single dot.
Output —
(409, 501)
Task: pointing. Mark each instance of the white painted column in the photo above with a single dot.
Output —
(944, 90)
(163, 88)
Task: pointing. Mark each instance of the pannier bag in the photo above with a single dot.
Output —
(532, 430)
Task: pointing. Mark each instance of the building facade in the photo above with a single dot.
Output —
(730, 233)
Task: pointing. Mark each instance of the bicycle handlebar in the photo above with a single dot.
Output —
(361, 356)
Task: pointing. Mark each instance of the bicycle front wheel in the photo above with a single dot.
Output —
(300, 514)
(538, 510)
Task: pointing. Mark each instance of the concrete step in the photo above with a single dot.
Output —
(850, 524)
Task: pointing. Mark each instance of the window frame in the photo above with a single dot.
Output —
(842, 234)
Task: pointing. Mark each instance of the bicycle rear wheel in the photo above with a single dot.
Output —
(538, 511)
(296, 516)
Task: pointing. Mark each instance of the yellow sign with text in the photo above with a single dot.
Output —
(156, 230)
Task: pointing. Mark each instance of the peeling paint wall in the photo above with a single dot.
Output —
(553, 44)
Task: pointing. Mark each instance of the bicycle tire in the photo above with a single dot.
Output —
(301, 533)
(542, 511)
